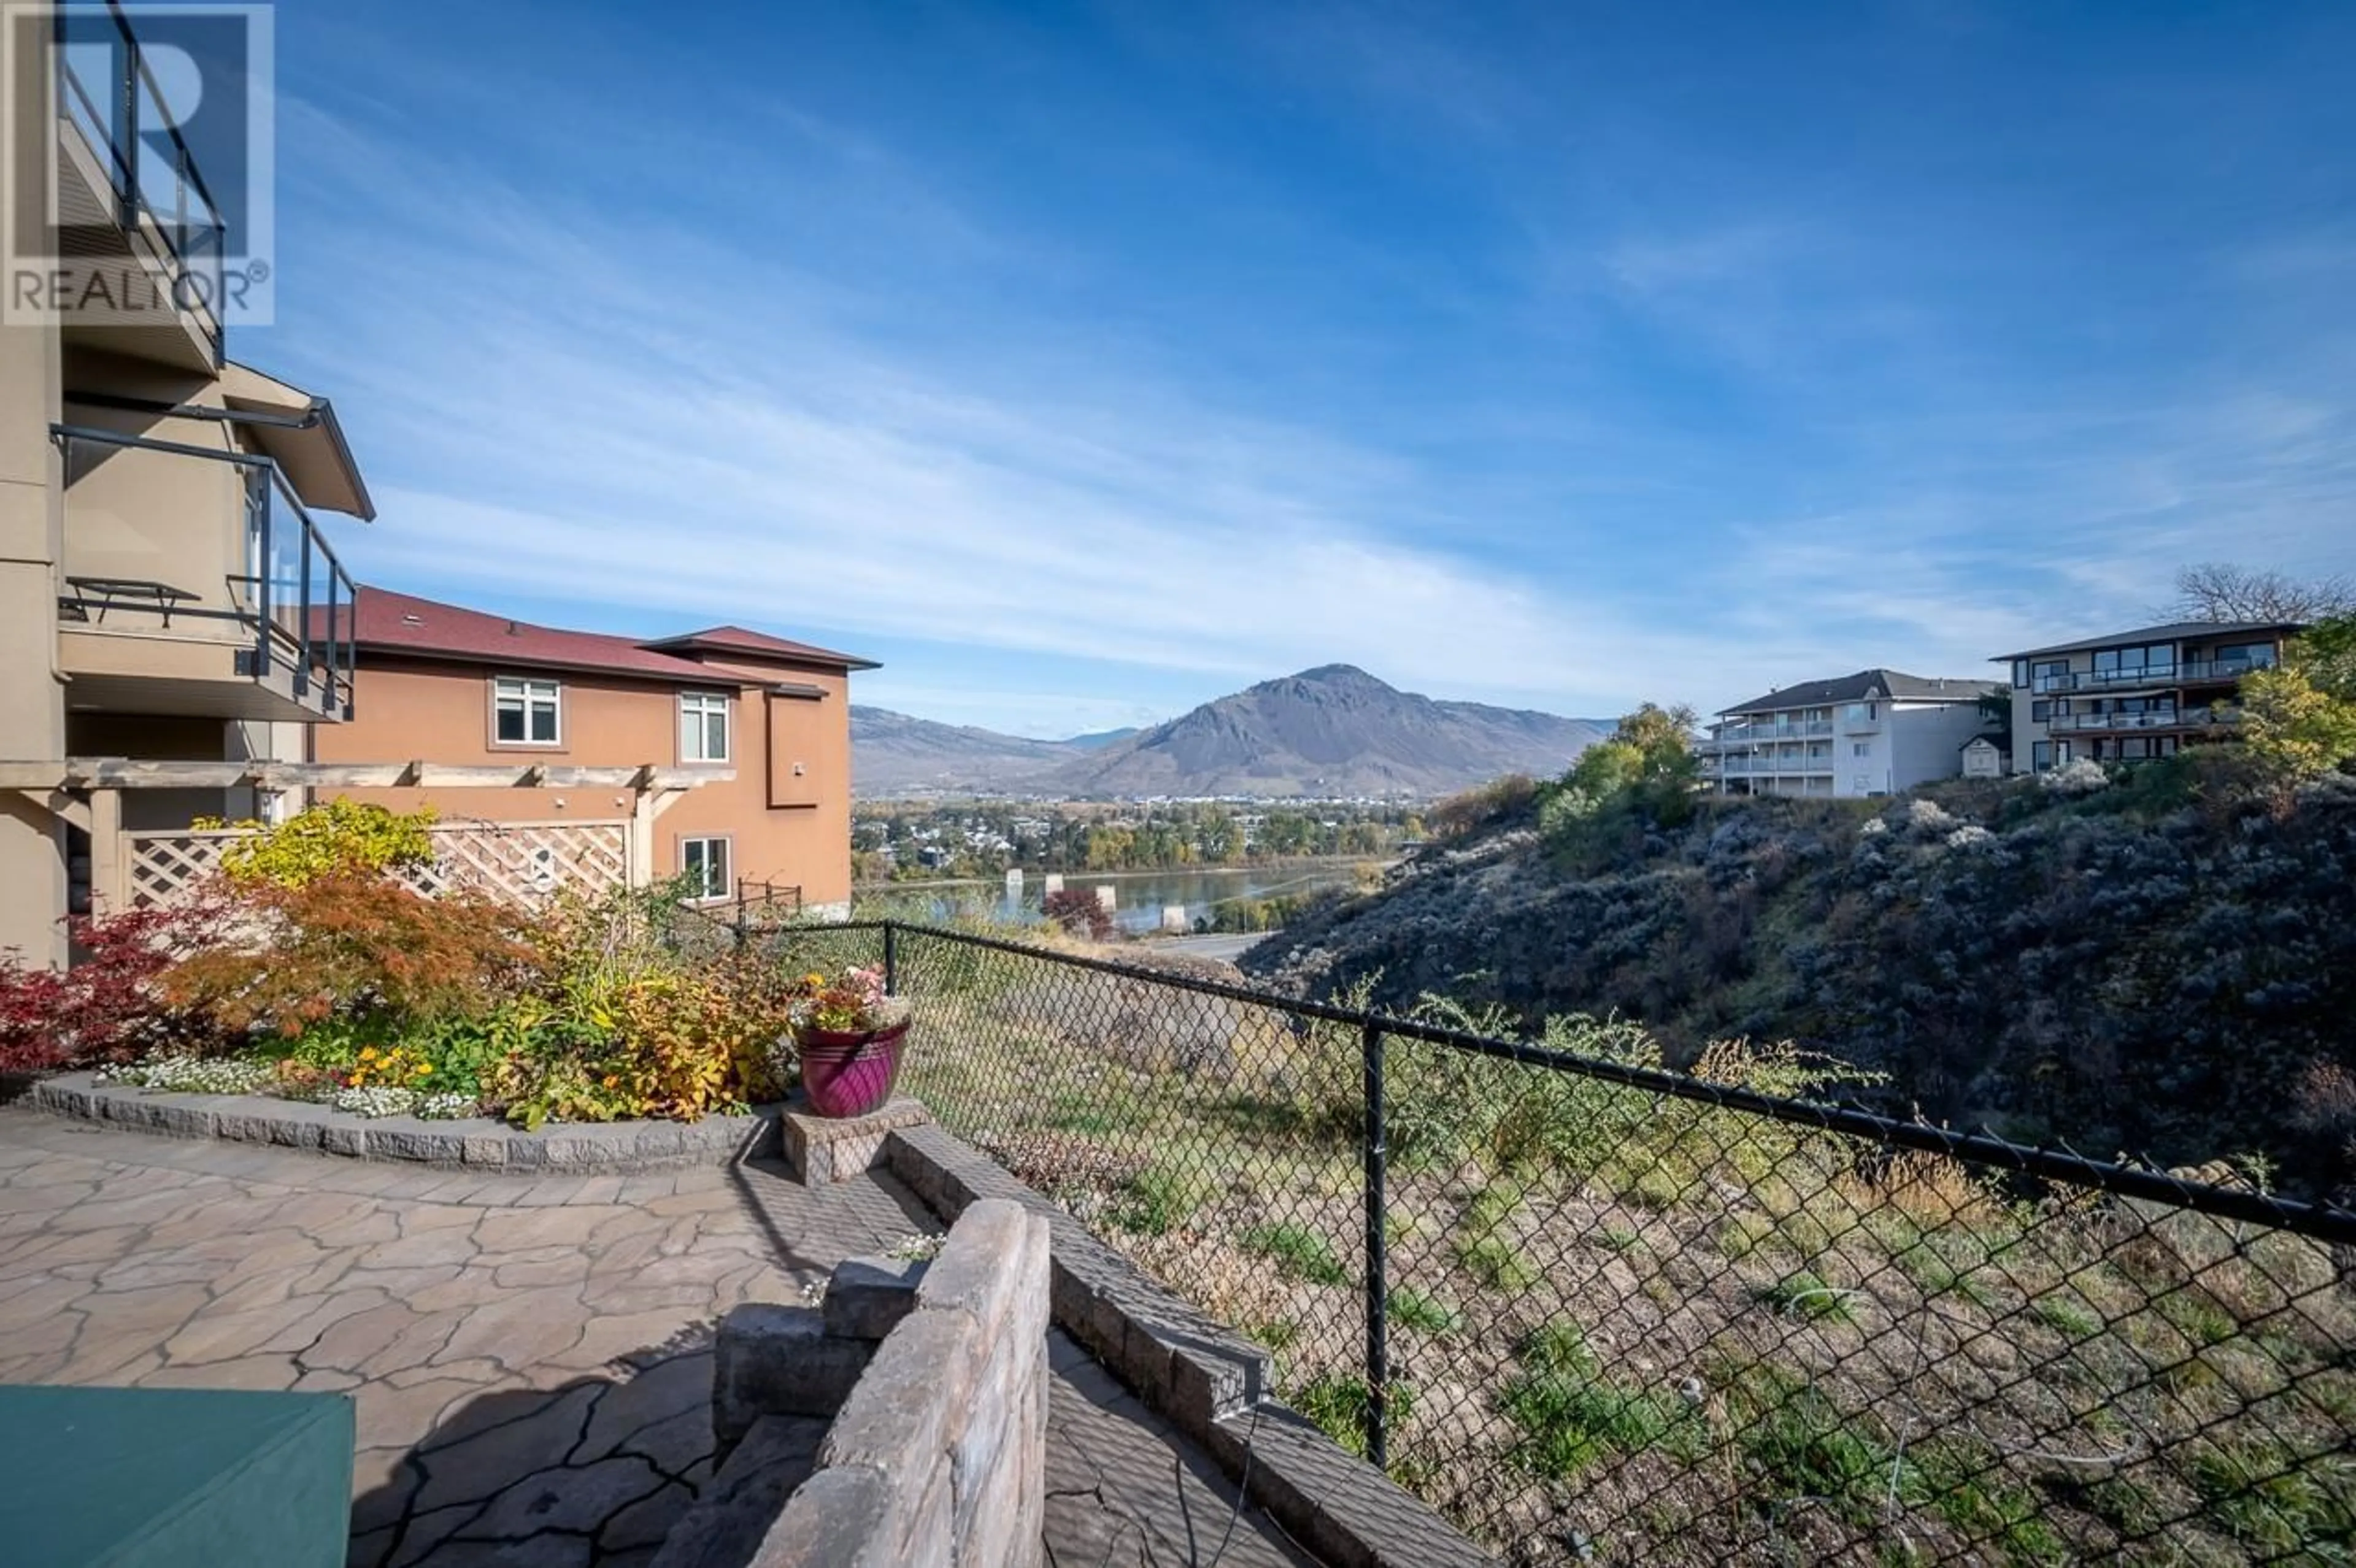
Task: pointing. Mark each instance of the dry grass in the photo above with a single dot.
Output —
(1674, 1335)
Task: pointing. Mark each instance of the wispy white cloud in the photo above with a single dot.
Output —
(873, 422)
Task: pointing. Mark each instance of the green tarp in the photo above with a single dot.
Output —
(184, 1477)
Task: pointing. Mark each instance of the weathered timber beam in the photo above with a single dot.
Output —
(56, 803)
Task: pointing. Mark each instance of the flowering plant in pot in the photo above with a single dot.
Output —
(848, 1031)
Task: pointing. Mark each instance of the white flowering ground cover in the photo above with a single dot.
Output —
(232, 1076)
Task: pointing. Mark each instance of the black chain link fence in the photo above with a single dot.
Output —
(1595, 1311)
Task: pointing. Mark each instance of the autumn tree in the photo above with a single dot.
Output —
(1648, 768)
(2298, 719)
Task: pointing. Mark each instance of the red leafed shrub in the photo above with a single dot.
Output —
(355, 940)
(1078, 910)
(110, 1007)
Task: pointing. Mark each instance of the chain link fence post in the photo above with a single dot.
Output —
(1378, 1264)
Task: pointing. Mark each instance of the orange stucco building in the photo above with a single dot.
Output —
(767, 718)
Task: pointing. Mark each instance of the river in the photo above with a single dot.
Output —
(1139, 897)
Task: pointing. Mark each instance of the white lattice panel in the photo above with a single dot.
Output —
(163, 868)
(523, 861)
(518, 862)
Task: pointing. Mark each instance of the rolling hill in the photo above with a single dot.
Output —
(1332, 731)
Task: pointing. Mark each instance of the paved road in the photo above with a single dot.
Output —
(529, 1357)
(1225, 948)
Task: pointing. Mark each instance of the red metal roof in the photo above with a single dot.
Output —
(737, 640)
(401, 623)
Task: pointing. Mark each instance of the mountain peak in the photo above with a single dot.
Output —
(1334, 731)
(1339, 677)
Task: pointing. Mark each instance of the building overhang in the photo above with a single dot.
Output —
(300, 433)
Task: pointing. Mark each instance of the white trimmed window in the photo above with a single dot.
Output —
(525, 712)
(704, 863)
(702, 727)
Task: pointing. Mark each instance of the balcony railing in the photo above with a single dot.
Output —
(2185, 672)
(2187, 718)
(107, 92)
(2109, 679)
(294, 602)
(1823, 764)
(1753, 734)
(2226, 669)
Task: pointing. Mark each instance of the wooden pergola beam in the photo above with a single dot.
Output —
(123, 772)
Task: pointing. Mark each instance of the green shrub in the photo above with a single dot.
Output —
(340, 838)
(1569, 1415)
(1158, 1199)
(1298, 1250)
(1803, 1295)
(1338, 1404)
(1801, 1444)
(1415, 1310)
(2283, 1504)
(1485, 1244)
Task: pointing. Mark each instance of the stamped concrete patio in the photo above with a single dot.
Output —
(530, 1356)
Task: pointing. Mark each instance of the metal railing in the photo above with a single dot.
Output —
(2186, 719)
(2225, 670)
(1598, 1311)
(293, 595)
(759, 904)
(2107, 679)
(124, 117)
(1755, 733)
(2180, 673)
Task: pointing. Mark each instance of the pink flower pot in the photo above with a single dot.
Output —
(849, 1073)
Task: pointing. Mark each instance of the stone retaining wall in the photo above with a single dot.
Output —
(937, 1458)
(476, 1143)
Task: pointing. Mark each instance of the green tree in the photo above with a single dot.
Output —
(1645, 769)
(1662, 734)
(2299, 720)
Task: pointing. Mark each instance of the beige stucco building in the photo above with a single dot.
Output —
(166, 588)
(2132, 696)
(759, 725)
(178, 638)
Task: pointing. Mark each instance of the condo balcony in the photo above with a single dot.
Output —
(2160, 678)
(195, 582)
(1754, 766)
(1758, 733)
(2186, 719)
(2196, 672)
(142, 238)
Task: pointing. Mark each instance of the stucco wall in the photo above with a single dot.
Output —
(441, 712)
(1927, 741)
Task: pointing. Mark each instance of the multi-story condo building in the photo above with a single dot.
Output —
(1874, 733)
(2134, 695)
(165, 592)
(765, 722)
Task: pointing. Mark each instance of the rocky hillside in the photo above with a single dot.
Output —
(1333, 731)
(2130, 968)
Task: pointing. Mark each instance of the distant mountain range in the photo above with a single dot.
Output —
(1332, 731)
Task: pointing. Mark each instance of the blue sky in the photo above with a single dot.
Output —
(1083, 363)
